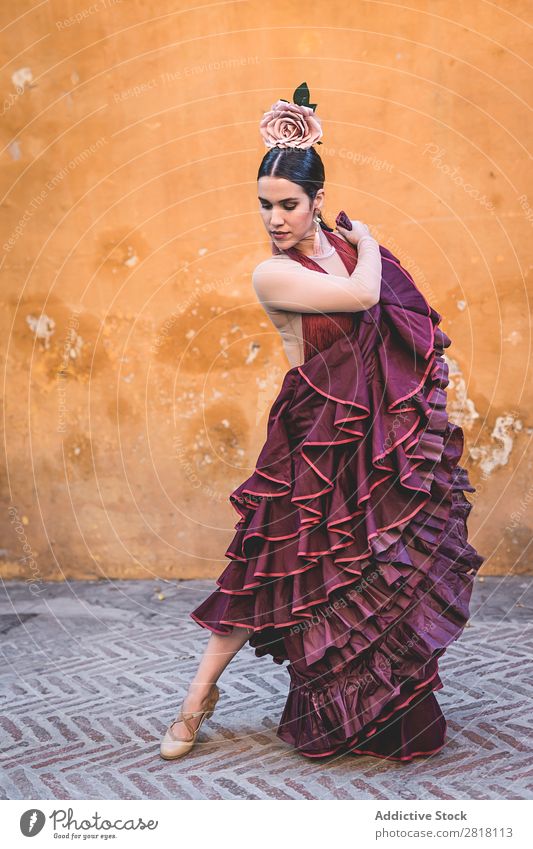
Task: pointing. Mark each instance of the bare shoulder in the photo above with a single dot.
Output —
(270, 269)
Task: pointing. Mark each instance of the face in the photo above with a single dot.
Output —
(286, 210)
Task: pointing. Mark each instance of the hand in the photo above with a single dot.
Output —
(359, 229)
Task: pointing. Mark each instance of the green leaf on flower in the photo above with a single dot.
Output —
(301, 95)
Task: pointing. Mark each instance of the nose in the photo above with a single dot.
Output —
(276, 220)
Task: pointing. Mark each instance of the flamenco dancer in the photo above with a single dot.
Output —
(350, 558)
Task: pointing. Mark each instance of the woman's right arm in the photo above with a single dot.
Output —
(283, 284)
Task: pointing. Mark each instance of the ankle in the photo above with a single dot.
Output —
(198, 691)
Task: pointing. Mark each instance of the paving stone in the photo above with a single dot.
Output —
(94, 671)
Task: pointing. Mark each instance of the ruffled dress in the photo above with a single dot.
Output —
(350, 558)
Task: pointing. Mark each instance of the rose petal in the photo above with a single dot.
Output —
(290, 125)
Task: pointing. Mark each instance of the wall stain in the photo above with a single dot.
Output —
(120, 250)
(195, 343)
(79, 454)
(211, 448)
(58, 340)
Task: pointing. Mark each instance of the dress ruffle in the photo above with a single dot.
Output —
(350, 557)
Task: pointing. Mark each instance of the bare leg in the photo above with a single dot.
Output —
(220, 650)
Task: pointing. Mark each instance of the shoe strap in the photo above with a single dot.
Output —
(185, 717)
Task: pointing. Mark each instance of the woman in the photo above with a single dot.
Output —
(350, 558)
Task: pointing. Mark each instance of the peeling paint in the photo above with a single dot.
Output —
(42, 326)
(14, 150)
(461, 408)
(21, 77)
(253, 352)
(490, 457)
(76, 346)
(461, 305)
(132, 258)
(514, 337)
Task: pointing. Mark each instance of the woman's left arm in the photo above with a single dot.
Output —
(283, 284)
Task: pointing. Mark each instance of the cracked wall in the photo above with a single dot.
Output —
(139, 368)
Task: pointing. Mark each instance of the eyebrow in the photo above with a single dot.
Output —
(281, 201)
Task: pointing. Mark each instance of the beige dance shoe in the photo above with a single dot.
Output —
(171, 747)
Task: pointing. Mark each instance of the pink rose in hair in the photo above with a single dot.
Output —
(290, 125)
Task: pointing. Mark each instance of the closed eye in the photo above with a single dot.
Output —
(285, 206)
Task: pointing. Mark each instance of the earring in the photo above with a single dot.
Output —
(317, 247)
(319, 251)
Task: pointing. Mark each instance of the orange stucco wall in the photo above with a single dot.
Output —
(139, 367)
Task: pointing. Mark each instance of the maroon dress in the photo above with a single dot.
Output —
(350, 558)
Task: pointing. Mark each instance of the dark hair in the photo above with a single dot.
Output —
(302, 166)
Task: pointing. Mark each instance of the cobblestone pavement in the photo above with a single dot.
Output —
(94, 671)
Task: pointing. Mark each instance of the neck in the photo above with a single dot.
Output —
(306, 245)
(347, 252)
